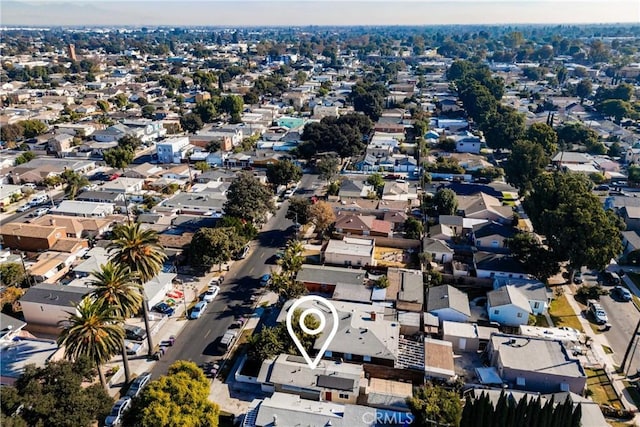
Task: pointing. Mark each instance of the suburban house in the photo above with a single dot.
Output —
(143, 171)
(630, 241)
(363, 335)
(355, 189)
(77, 227)
(19, 352)
(31, 237)
(123, 185)
(46, 304)
(538, 295)
(83, 209)
(173, 150)
(467, 337)
(492, 236)
(536, 364)
(631, 217)
(155, 289)
(399, 190)
(363, 225)
(209, 203)
(468, 143)
(330, 381)
(507, 305)
(438, 249)
(93, 260)
(490, 265)
(448, 303)
(349, 251)
(8, 192)
(484, 206)
(323, 279)
(406, 289)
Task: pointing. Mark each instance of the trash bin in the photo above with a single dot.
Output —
(172, 340)
(157, 355)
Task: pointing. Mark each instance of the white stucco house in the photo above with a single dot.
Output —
(508, 306)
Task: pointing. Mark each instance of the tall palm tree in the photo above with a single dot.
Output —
(93, 331)
(141, 251)
(115, 286)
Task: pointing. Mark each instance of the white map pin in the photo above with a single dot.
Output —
(323, 322)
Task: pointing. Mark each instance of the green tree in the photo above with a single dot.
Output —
(413, 228)
(503, 128)
(272, 341)
(328, 167)
(249, 199)
(298, 209)
(577, 228)
(53, 396)
(526, 162)
(102, 105)
(118, 157)
(584, 89)
(202, 166)
(206, 110)
(292, 259)
(283, 172)
(130, 142)
(191, 122)
(633, 173)
(233, 105)
(178, 399)
(74, 182)
(377, 181)
(211, 246)
(445, 202)
(12, 274)
(286, 287)
(33, 128)
(617, 109)
(578, 134)
(92, 331)
(243, 228)
(537, 260)
(432, 404)
(25, 157)
(114, 286)
(141, 251)
(148, 111)
(544, 135)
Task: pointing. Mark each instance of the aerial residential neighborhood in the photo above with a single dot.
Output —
(464, 197)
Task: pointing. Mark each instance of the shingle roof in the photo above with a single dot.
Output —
(508, 295)
(446, 296)
(50, 294)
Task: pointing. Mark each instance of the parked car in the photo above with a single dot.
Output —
(227, 340)
(598, 313)
(289, 193)
(198, 309)
(265, 280)
(138, 384)
(621, 293)
(217, 280)
(243, 253)
(39, 212)
(115, 416)
(134, 333)
(23, 208)
(164, 308)
(610, 278)
(211, 293)
(577, 278)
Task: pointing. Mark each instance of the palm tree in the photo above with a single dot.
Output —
(93, 331)
(115, 286)
(141, 251)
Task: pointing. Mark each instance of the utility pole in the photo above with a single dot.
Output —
(629, 347)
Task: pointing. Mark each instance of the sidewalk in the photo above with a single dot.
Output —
(599, 340)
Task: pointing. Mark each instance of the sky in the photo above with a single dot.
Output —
(314, 12)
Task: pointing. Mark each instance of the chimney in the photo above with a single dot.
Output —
(373, 316)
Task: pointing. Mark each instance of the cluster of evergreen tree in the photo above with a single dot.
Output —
(524, 413)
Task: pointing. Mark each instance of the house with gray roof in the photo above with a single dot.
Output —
(364, 333)
(406, 289)
(508, 306)
(83, 209)
(16, 354)
(283, 409)
(536, 292)
(354, 189)
(211, 204)
(350, 252)
(448, 303)
(536, 364)
(10, 327)
(438, 249)
(490, 265)
(330, 381)
(323, 279)
(47, 304)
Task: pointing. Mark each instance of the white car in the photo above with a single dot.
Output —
(23, 208)
(40, 212)
(289, 193)
(211, 293)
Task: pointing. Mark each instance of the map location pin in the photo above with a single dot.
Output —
(319, 308)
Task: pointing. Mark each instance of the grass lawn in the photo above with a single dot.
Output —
(563, 315)
(602, 392)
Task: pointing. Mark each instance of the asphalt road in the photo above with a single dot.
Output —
(623, 317)
(198, 340)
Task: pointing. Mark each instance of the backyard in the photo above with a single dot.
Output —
(600, 388)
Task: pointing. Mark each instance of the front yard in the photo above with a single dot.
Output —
(563, 315)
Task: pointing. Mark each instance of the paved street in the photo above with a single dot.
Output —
(623, 317)
(198, 340)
